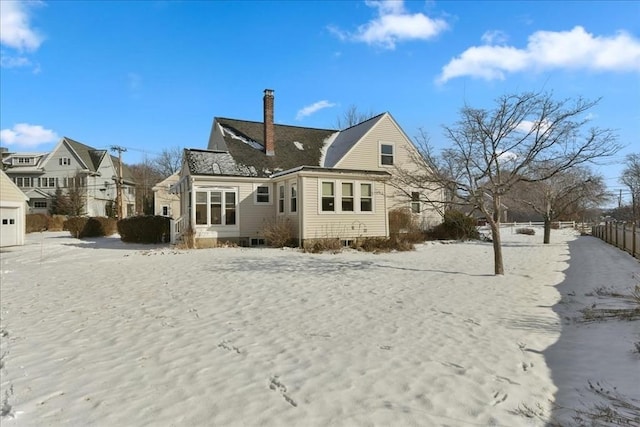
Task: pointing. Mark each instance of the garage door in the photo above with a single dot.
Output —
(9, 226)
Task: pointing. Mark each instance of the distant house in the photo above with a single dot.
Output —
(13, 204)
(71, 164)
(166, 203)
(327, 183)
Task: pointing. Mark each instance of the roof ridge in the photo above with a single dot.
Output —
(365, 121)
(276, 124)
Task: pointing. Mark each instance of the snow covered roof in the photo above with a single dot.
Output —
(209, 162)
(244, 141)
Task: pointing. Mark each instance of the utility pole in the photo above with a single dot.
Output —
(119, 186)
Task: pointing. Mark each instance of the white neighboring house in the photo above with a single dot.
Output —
(13, 205)
(38, 175)
(164, 202)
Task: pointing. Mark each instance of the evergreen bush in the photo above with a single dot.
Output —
(145, 229)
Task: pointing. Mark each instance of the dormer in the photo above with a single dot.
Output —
(23, 161)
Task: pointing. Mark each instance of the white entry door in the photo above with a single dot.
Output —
(9, 226)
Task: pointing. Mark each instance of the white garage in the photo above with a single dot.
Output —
(13, 204)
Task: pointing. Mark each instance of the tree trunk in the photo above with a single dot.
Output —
(547, 229)
(547, 221)
(497, 248)
(494, 223)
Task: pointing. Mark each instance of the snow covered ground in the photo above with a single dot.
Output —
(103, 333)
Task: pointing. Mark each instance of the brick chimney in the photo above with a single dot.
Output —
(269, 129)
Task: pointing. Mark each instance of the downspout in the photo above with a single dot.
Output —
(192, 205)
(386, 211)
(300, 210)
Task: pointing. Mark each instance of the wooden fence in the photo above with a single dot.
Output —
(620, 235)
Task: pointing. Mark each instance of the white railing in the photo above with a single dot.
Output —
(178, 227)
(554, 224)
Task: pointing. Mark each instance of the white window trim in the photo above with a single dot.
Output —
(394, 155)
(357, 195)
(255, 194)
(293, 185)
(282, 187)
(224, 190)
(372, 196)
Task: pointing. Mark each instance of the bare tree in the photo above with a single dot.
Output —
(168, 161)
(526, 137)
(564, 195)
(352, 117)
(76, 195)
(146, 176)
(631, 178)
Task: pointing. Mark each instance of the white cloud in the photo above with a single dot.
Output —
(15, 28)
(27, 135)
(575, 49)
(527, 126)
(9, 61)
(310, 109)
(494, 37)
(393, 24)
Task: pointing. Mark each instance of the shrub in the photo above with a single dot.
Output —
(36, 222)
(56, 222)
(188, 240)
(382, 244)
(403, 227)
(279, 233)
(527, 231)
(75, 225)
(315, 246)
(457, 226)
(98, 227)
(145, 229)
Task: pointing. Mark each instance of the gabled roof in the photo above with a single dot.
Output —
(167, 182)
(36, 193)
(347, 138)
(294, 146)
(11, 186)
(93, 157)
(90, 156)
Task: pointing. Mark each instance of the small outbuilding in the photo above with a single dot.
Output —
(13, 203)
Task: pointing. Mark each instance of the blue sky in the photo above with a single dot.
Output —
(150, 75)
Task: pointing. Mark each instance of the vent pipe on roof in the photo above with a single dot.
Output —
(269, 129)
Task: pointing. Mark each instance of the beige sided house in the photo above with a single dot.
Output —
(13, 205)
(166, 203)
(329, 184)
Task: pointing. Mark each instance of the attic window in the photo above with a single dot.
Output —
(386, 154)
(64, 161)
